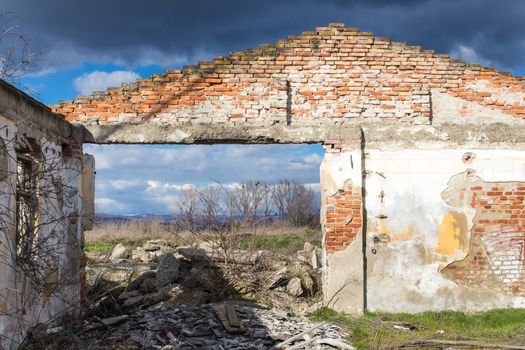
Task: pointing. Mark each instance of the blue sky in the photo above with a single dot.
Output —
(91, 45)
(138, 179)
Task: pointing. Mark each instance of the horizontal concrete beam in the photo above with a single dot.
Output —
(385, 135)
(210, 134)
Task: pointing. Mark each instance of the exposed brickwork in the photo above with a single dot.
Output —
(343, 218)
(331, 75)
(342, 211)
(498, 238)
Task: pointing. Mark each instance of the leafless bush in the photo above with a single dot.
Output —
(295, 203)
(39, 247)
(16, 55)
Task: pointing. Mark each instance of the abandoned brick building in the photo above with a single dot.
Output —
(46, 203)
(422, 182)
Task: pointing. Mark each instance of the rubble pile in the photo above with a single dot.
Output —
(160, 296)
(125, 281)
(189, 328)
(199, 328)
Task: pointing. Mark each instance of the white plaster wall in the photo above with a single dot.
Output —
(403, 274)
(60, 228)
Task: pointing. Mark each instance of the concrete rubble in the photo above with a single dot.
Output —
(169, 303)
(197, 328)
(158, 269)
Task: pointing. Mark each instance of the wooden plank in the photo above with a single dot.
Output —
(222, 314)
(232, 316)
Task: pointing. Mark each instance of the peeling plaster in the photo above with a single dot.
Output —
(344, 285)
(21, 305)
(420, 222)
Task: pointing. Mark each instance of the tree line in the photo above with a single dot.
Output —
(250, 203)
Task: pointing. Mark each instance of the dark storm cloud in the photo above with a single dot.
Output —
(163, 31)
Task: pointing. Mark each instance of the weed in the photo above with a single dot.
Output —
(375, 330)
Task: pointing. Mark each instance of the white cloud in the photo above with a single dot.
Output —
(313, 159)
(469, 55)
(123, 184)
(109, 205)
(164, 186)
(98, 80)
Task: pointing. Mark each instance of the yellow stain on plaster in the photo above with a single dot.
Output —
(397, 236)
(453, 234)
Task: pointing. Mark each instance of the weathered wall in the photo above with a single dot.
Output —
(396, 122)
(342, 222)
(304, 89)
(44, 282)
(445, 229)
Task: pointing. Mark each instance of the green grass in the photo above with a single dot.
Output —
(282, 244)
(375, 330)
(105, 246)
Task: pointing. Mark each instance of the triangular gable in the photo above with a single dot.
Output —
(333, 75)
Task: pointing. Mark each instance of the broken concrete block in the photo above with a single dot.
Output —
(120, 251)
(168, 270)
(140, 255)
(294, 287)
(137, 282)
(315, 259)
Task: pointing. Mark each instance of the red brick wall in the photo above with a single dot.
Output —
(342, 211)
(343, 218)
(333, 73)
(498, 239)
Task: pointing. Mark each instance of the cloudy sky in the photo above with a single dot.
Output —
(93, 44)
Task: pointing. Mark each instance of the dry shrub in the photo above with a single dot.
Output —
(129, 229)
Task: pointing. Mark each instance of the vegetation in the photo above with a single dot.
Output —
(284, 244)
(376, 330)
(278, 237)
(105, 246)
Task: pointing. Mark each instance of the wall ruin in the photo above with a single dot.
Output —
(41, 237)
(398, 123)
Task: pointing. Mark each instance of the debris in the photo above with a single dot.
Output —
(405, 327)
(168, 270)
(167, 300)
(278, 278)
(229, 318)
(315, 260)
(294, 287)
(296, 337)
(137, 282)
(140, 255)
(120, 251)
(111, 321)
(188, 328)
(336, 343)
(313, 308)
